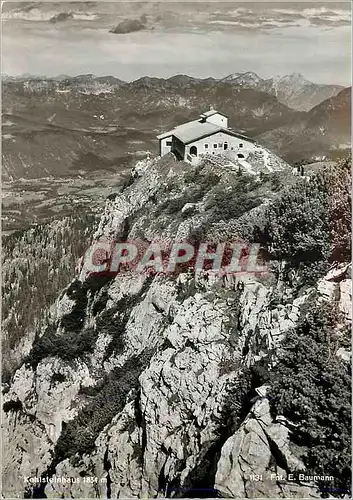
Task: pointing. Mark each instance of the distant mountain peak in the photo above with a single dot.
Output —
(251, 74)
(232, 76)
(247, 78)
(296, 75)
(180, 78)
(295, 78)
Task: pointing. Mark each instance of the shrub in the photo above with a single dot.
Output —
(72, 321)
(58, 378)
(232, 201)
(308, 225)
(68, 346)
(236, 204)
(78, 436)
(198, 183)
(202, 177)
(298, 224)
(311, 386)
(340, 203)
(12, 406)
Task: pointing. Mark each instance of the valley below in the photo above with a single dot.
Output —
(29, 202)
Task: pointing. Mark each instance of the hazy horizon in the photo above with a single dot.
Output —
(208, 40)
(62, 75)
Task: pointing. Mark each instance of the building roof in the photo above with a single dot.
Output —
(212, 112)
(196, 129)
(200, 130)
(165, 134)
(234, 133)
(180, 128)
(207, 114)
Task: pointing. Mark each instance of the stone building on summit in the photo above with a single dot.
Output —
(207, 135)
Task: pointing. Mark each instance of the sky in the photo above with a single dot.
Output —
(200, 39)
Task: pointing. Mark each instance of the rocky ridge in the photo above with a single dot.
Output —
(156, 399)
(292, 90)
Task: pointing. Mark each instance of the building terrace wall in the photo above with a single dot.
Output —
(235, 144)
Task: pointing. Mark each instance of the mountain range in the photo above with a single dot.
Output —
(292, 90)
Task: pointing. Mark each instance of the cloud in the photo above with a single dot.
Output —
(319, 21)
(208, 40)
(318, 16)
(259, 21)
(266, 18)
(28, 15)
(39, 13)
(128, 26)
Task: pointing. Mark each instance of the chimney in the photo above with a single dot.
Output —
(211, 107)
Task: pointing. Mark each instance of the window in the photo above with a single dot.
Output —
(220, 145)
(193, 151)
(241, 145)
(215, 146)
(168, 143)
(240, 155)
(225, 146)
(206, 146)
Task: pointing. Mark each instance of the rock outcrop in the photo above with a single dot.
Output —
(247, 469)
